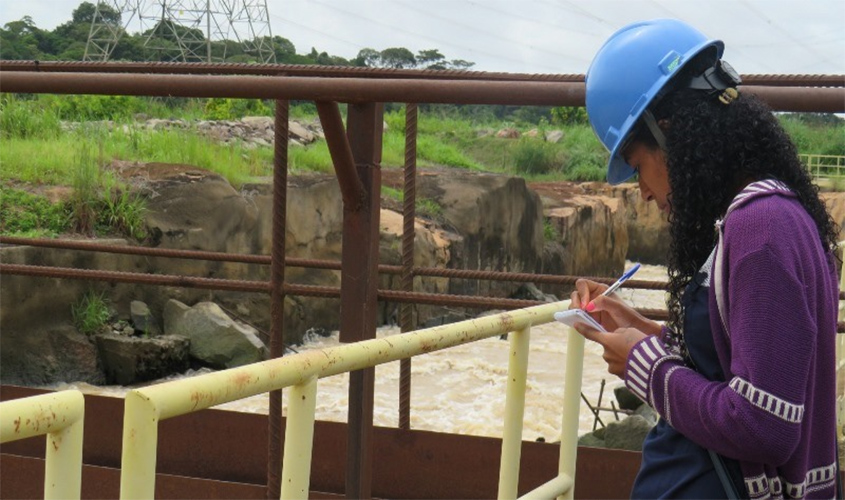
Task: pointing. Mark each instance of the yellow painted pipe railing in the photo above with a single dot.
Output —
(60, 416)
(146, 407)
(840, 364)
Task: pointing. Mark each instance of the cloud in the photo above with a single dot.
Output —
(538, 36)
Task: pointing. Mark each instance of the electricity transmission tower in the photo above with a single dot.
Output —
(183, 30)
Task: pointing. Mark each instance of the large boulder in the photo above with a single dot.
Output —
(215, 339)
(627, 434)
(129, 359)
(53, 354)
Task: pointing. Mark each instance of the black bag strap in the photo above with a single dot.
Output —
(724, 478)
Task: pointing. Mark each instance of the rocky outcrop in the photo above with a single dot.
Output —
(251, 131)
(628, 433)
(499, 220)
(593, 234)
(473, 221)
(47, 354)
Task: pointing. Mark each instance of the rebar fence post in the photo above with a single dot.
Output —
(840, 363)
(406, 310)
(60, 416)
(359, 288)
(514, 413)
(277, 291)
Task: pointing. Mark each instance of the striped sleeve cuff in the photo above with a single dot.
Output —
(669, 341)
(643, 361)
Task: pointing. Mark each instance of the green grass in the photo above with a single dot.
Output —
(312, 158)
(91, 313)
(36, 150)
(396, 194)
(30, 216)
(46, 161)
(815, 139)
(550, 233)
(425, 207)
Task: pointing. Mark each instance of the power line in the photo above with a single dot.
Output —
(489, 34)
(426, 37)
(789, 35)
(535, 21)
(321, 33)
(732, 47)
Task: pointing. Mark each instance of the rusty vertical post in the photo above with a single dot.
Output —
(406, 311)
(277, 294)
(359, 289)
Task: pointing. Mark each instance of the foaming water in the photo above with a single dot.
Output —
(462, 390)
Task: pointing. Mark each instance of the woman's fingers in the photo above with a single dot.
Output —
(617, 345)
(575, 300)
(587, 290)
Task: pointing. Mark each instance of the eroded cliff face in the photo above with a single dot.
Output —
(480, 221)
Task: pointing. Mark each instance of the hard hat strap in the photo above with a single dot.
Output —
(652, 125)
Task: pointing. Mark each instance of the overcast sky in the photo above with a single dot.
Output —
(533, 36)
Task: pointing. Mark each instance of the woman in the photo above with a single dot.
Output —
(743, 373)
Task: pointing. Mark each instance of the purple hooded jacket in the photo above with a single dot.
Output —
(775, 339)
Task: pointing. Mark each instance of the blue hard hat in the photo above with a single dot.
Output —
(629, 72)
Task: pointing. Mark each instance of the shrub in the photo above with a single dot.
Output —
(121, 211)
(535, 157)
(91, 313)
(570, 116)
(79, 108)
(86, 184)
(426, 207)
(27, 118)
(219, 108)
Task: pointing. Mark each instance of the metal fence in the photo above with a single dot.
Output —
(827, 167)
(356, 154)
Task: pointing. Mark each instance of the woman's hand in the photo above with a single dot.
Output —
(617, 345)
(610, 311)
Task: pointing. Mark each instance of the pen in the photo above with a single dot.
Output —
(630, 272)
(615, 286)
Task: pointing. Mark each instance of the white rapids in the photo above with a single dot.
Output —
(462, 390)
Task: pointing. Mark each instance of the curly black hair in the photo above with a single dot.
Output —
(713, 150)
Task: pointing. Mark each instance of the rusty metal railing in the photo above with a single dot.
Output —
(352, 72)
(362, 90)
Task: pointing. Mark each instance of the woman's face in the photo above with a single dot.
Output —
(650, 164)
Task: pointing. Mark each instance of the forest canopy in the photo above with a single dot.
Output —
(24, 40)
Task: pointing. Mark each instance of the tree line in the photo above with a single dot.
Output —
(23, 40)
